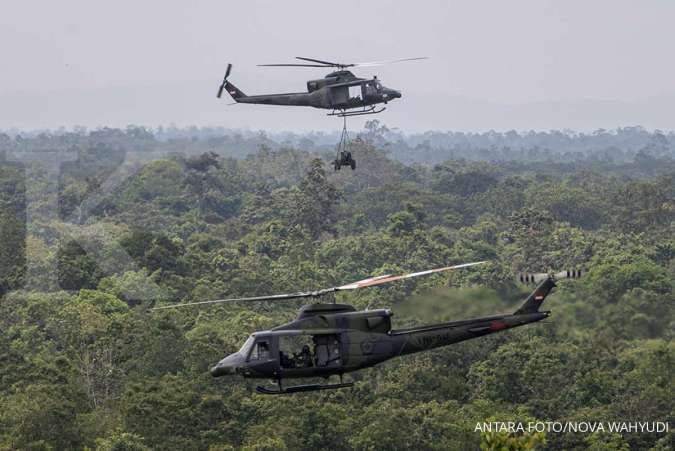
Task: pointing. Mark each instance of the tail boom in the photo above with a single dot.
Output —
(428, 337)
(434, 336)
(289, 99)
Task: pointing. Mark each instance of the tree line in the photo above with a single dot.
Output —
(87, 365)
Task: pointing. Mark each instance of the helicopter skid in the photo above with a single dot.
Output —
(344, 113)
(301, 388)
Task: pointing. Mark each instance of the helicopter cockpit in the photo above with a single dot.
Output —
(293, 350)
(372, 87)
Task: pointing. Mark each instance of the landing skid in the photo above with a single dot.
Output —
(364, 111)
(301, 388)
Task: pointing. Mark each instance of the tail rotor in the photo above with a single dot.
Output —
(545, 283)
(528, 278)
(222, 85)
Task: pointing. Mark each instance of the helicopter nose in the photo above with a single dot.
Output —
(221, 370)
(391, 94)
(227, 366)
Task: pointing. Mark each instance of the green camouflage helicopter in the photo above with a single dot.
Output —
(333, 339)
(340, 91)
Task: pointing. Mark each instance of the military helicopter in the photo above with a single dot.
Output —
(333, 339)
(339, 91)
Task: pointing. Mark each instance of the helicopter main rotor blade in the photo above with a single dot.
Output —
(327, 63)
(379, 280)
(322, 63)
(295, 65)
(274, 297)
(380, 63)
(365, 283)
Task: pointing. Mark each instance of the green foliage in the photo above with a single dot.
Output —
(121, 441)
(505, 441)
(76, 268)
(93, 368)
(464, 179)
(12, 227)
(315, 201)
(132, 286)
(107, 303)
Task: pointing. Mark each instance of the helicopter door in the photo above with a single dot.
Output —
(339, 96)
(295, 351)
(355, 93)
(327, 350)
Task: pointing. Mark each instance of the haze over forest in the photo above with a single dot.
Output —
(621, 145)
(527, 65)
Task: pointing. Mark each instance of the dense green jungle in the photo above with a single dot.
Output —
(98, 226)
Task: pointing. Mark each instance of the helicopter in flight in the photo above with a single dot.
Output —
(333, 339)
(340, 91)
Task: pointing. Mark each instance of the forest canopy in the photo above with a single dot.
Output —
(98, 226)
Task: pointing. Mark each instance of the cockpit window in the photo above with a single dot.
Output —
(246, 347)
(261, 350)
(378, 86)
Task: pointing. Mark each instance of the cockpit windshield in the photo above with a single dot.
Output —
(246, 348)
(378, 86)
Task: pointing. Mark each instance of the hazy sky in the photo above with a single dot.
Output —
(494, 64)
